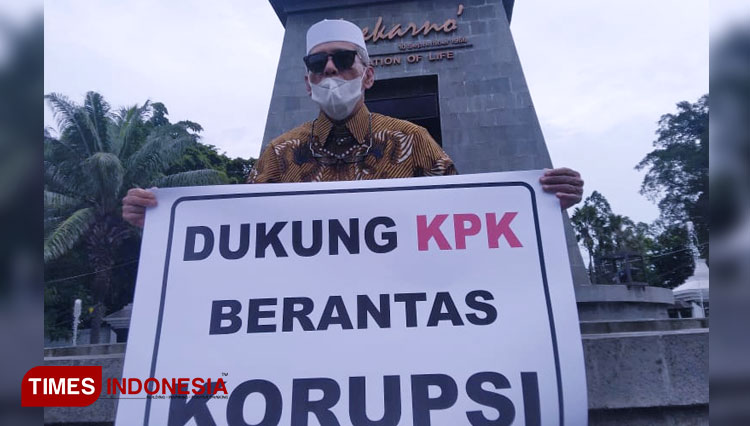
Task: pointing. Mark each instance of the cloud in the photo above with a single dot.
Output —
(602, 73)
(210, 62)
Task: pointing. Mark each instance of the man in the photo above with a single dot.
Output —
(346, 141)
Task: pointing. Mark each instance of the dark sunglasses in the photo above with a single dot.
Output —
(342, 59)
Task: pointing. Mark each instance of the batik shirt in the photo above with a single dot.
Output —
(370, 145)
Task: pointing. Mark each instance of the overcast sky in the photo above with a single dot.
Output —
(601, 73)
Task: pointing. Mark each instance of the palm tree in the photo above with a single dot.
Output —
(584, 220)
(591, 222)
(97, 157)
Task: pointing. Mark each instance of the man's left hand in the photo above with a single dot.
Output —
(565, 183)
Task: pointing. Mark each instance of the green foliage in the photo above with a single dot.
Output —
(98, 156)
(200, 156)
(675, 262)
(657, 254)
(68, 233)
(238, 168)
(60, 295)
(677, 170)
(70, 277)
(677, 179)
(193, 177)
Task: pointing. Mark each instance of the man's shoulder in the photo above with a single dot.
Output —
(396, 124)
(300, 133)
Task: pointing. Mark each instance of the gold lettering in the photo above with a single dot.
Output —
(381, 35)
(427, 27)
(394, 31)
(374, 35)
(388, 60)
(439, 56)
(410, 27)
(450, 25)
(379, 30)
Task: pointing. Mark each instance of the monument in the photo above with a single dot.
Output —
(449, 66)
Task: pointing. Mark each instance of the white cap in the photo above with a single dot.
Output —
(334, 30)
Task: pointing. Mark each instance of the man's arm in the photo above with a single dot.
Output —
(430, 159)
(267, 168)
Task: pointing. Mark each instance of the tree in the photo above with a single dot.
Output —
(603, 233)
(675, 261)
(202, 156)
(677, 170)
(661, 254)
(97, 157)
(590, 223)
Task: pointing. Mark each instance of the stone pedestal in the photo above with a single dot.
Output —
(608, 302)
(647, 378)
(102, 412)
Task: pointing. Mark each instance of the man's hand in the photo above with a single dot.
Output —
(134, 205)
(565, 183)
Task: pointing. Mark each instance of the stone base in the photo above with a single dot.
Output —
(602, 327)
(642, 377)
(692, 415)
(102, 412)
(606, 302)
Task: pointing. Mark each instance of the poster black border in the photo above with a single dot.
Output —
(351, 191)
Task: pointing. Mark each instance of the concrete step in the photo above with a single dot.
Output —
(629, 326)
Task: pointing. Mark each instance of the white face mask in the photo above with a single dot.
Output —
(337, 97)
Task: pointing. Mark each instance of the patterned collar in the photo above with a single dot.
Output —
(358, 125)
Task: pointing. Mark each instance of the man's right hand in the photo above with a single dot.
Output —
(134, 205)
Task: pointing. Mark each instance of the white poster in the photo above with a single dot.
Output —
(427, 301)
